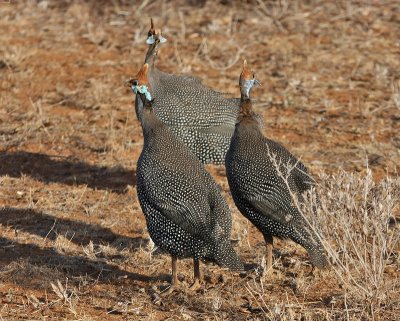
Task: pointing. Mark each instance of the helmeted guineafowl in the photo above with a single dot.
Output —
(185, 212)
(256, 167)
(202, 118)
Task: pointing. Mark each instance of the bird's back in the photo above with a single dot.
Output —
(201, 117)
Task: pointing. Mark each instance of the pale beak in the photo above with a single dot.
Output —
(127, 83)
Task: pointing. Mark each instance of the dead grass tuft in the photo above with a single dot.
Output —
(356, 221)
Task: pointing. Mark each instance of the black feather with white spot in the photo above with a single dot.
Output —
(185, 212)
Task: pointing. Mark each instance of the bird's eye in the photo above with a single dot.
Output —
(134, 83)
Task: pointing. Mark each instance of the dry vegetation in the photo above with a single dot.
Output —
(73, 240)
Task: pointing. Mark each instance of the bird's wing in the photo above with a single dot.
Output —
(266, 198)
(302, 178)
(299, 174)
(183, 201)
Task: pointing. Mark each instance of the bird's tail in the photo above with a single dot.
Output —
(318, 258)
(310, 241)
(225, 255)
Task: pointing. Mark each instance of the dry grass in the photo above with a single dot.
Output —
(357, 222)
(74, 244)
(363, 234)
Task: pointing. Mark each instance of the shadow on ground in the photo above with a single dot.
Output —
(20, 261)
(66, 170)
(48, 227)
(28, 264)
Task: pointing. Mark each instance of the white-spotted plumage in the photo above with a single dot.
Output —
(202, 118)
(185, 212)
(256, 167)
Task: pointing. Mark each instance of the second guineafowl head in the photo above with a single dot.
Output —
(264, 176)
(154, 39)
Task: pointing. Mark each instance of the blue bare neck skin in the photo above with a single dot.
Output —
(143, 99)
(143, 90)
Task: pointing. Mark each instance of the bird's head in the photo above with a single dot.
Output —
(246, 81)
(140, 84)
(154, 36)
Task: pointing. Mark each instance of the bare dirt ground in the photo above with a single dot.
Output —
(73, 240)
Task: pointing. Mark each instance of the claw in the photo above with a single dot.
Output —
(196, 285)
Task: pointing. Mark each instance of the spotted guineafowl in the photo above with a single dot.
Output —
(201, 117)
(255, 167)
(185, 212)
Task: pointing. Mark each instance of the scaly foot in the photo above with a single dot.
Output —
(196, 285)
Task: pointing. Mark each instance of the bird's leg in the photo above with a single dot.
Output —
(197, 275)
(269, 242)
(174, 279)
